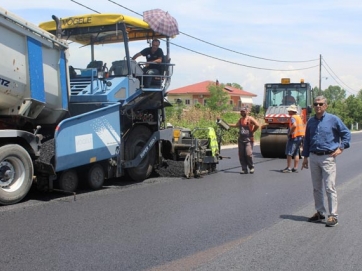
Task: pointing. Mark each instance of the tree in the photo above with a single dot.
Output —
(354, 109)
(359, 94)
(334, 93)
(219, 99)
(234, 85)
(317, 92)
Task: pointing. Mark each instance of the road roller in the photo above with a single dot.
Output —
(277, 98)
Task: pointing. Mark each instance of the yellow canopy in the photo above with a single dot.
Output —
(101, 28)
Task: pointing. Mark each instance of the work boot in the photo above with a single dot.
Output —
(317, 217)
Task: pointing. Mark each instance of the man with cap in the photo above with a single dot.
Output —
(296, 134)
(247, 126)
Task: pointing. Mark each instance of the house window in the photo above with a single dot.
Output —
(187, 101)
(231, 102)
(196, 101)
(205, 102)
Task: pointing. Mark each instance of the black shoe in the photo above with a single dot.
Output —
(286, 170)
(294, 170)
(244, 172)
(317, 217)
(252, 170)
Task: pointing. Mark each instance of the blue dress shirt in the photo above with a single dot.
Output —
(325, 134)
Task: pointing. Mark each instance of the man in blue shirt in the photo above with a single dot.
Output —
(326, 137)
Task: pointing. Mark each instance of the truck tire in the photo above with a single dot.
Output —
(95, 177)
(16, 173)
(136, 140)
(68, 181)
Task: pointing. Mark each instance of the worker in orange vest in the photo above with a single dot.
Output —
(296, 134)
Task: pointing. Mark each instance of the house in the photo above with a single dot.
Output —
(199, 93)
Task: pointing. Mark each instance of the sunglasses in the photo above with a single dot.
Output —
(320, 104)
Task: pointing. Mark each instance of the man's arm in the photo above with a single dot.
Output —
(235, 125)
(136, 55)
(306, 142)
(305, 152)
(293, 127)
(255, 123)
(158, 60)
(345, 135)
(159, 55)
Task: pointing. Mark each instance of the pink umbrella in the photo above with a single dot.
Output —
(161, 21)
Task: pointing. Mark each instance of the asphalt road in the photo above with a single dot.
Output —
(223, 221)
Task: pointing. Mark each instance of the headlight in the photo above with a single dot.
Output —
(176, 133)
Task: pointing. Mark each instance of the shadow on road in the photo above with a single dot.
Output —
(45, 196)
(295, 218)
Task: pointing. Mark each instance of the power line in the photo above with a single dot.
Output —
(336, 80)
(267, 59)
(85, 6)
(219, 59)
(233, 51)
(248, 66)
(125, 8)
(252, 67)
(324, 61)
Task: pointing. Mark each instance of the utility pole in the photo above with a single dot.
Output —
(320, 72)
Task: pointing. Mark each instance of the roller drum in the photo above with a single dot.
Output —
(273, 145)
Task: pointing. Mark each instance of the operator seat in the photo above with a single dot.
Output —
(96, 65)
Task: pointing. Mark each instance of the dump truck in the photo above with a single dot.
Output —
(60, 122)
(277, 98)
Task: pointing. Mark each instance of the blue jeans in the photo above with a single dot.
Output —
(293, 144)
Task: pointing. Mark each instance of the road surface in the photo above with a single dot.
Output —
(223, 221)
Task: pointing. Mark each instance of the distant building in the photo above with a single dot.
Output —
(199, 93)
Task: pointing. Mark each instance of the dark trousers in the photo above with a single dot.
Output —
(148, 79)
(246, 154)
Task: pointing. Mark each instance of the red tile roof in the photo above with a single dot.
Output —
(202, 89)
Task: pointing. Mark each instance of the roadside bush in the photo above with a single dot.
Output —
(202, 117)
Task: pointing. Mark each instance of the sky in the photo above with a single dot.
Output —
(248, 42)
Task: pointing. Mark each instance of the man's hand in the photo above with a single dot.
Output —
(338, 151)
(305, 163)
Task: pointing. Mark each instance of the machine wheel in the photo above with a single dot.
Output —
(16, 174)
(95, 177)
(68, 180)
(273, 145)
(136, 140)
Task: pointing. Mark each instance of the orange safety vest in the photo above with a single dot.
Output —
(300, 129)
